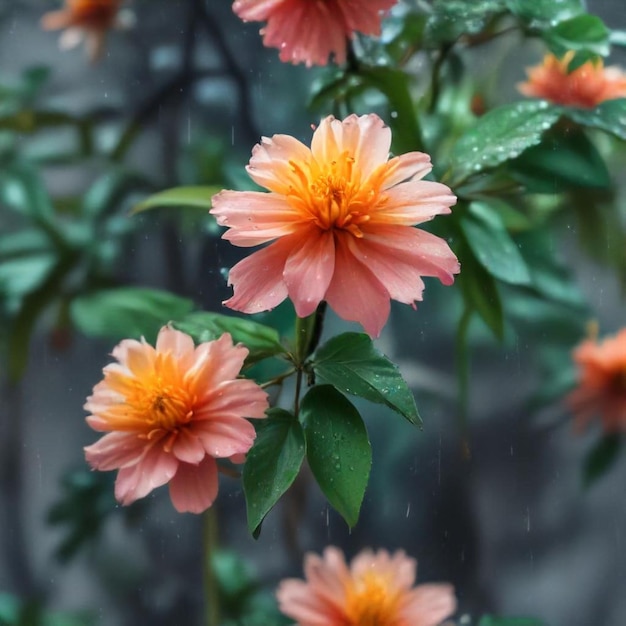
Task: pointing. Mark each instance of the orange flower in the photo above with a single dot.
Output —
(586, 86)
(169, 412)
(307, 31)
(342, 218)
(601, 390)
(376, 590)
(85, 19)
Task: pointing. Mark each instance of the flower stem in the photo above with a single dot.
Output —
(210, 543)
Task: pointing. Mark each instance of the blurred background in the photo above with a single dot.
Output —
(180, 98)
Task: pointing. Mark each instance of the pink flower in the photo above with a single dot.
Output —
(586, 86)
(376, 590)
(169, 412)
(310, 31)
(340, 216)
(601, 390)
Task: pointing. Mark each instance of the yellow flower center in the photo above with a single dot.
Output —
(333, 197)
(157, 405)
(370, 602)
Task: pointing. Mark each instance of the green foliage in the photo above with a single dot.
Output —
(610, 116)
(450, 19)
(601, 458)
(490, 620)
(126, 312)
(545, 13)
(337, 449)
(585, 33)
(198, 197)
(83, 509)
(262, 341)
(272, 464)
(561, 161)
(351, 363)
(17, 612)
(501, 135)
(492, 245)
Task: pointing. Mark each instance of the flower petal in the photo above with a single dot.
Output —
(355, 294)
(179, 344)
(187, 447)
(194, 487)
(309, 270)
(426, 253)
(115, 450)
(258, 279)
(254, 217)
(239, 397)
(225, 436)
(413, 202)
(409, 166)
(428, 605)
(156, 468)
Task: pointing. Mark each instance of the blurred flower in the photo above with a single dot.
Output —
(601, 390)
(375, 590)
(309, 31)
(586, 86)
(87, 20)
(342, 216)
(169, 412)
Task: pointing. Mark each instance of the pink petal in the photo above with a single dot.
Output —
(115, 450)
(239, 397)
(156, 468)
(256, 10)
(254, 217)
(177, 343)
(187, 447)
(137, 356)
(429, 605)
(54, 20)
(401, 279)
(298, 601)
(309, 269)
(365, 17)
(215, 362)
(365, 138)
(258, 279)
(271, 162)
(409, 166)
(355, 294)
(428, 254)
(194, 487)
(225, 436)
(413, 202)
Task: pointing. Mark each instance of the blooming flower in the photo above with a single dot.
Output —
(375, 590)
(86, 19)
(586, 86)
(342, 217)
(169, 412)
(601, 389)
(309, 31)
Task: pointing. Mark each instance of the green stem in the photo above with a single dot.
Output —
(211, 591)
(278, 380)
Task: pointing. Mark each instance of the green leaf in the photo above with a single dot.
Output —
(272, 464)
(23, 190)
(501, 135)
(352, 364)
(108, 191)
(394, 84)
(583, 32)
(545, 13)
(452, 18)
(338, 449)
(126, 312)
(199, 197)
(492, 245)
(609, 116)
(262, 341)
(490, 620)
(559, 162)
(601, 458)
(480, 291)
